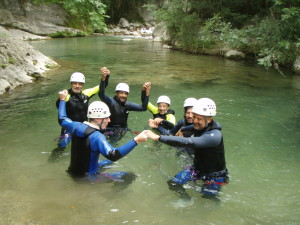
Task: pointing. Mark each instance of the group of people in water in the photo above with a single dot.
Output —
(92, 129)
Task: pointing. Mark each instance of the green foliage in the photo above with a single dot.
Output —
(90, 12)
(11, 60)
(267, 30)
(88, 15)
(2, 65)
(66, 33)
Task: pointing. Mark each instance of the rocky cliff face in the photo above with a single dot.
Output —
(36, 19)
(20, 63)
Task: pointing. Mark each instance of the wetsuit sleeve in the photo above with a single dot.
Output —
(91, 91)
(136, 107)
(145, 100)
(65, 122)
(208, 139)
(153, 109)
(99, 143)
(187, 128)
(108, 100)
(172, 131)
(168, 125)
(171, 118)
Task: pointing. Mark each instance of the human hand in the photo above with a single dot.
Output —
(152, 135)
(179, 133)
(147, 86)
(142, 137)
(158, 121)
(152, 123)
(105, 72)
(63, 95)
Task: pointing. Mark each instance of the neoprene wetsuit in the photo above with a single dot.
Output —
(181, 123)
(120, 110)
(87, 143)
(169, 119)
(209, 158)
(76, 108)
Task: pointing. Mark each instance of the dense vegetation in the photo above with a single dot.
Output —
(267, 30)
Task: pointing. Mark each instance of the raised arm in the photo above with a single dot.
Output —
(62, 115)
(103, 84)
(145, 95)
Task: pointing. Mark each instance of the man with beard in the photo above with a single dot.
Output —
(77, 102)
(209, 164)
(119, 106)
(186, 121)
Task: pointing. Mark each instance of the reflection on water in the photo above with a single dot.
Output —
(258, 109)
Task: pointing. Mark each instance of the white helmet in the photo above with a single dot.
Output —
(122, 87)
(164, 99)
(98, 109)
(189, 102)
(77, 77)
(205, 107)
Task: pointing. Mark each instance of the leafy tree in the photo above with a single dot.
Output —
(87, 15)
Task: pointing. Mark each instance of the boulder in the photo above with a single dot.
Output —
(123, 23)
(161, 31)
(296, 65)
(43, 19)
(20, 63)
(234, 54)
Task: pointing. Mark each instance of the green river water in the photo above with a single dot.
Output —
(258, 110)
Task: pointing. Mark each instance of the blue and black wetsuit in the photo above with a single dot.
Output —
(120, 110)
(76, 108)
(87, 143)
(209, 157)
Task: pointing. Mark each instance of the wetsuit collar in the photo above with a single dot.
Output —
(91, 125)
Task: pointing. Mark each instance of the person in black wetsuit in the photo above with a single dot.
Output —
(119, 107)
(186, 121)
(163, 116)
(206, 140)
(88, 142)
(77, 102)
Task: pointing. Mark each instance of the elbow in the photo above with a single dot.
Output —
(114, 156)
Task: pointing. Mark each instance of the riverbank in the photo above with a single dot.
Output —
(20, 63)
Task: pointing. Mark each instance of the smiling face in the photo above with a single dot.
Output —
(200, 122)
(189, 115)
(122, 95)
(77, 87)
(163, 107)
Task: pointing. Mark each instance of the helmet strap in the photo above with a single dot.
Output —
(100, 126)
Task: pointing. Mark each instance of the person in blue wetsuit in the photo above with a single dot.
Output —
(119, 106)
(209, 157)
(186, 121)
(87, 140)
(77, 102)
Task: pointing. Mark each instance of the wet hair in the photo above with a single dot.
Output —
(186, 109)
